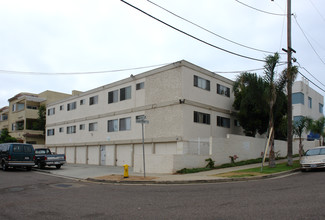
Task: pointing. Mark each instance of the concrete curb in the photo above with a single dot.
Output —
(198, 181)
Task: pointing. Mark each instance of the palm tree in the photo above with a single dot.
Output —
(299, 127)
(274, 86)
(291, 74)
(317, 127)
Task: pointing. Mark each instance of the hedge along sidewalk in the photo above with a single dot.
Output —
(257, 171)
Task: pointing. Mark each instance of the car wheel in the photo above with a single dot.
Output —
(4, 166)
(40, 165)
(58, 166)
(28, 168)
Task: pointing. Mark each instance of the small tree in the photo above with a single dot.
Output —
(40, 123)
(299, 127)
(317, 127)
(6, 138)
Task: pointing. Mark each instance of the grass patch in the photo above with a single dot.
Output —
(257, 170)
(279, 168)
(239, 163)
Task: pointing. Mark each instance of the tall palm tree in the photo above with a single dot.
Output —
(291, 74)
(274, 85)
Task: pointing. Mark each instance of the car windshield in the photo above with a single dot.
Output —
(317, 151)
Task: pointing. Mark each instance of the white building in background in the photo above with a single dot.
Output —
(190, 116)
(306, 102)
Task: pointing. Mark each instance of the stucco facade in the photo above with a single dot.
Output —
(182, 102)
(23, 112)
(4, 112)
(190, 116)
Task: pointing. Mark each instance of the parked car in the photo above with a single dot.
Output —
(44, 157)
(313, 158)
(17, 155)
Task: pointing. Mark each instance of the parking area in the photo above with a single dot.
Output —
(82, 171)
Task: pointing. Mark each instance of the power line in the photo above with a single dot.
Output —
(317, 10)
(78, 73)
(311, 81)
(260, 9)
(308, 40)
(205, 29)
(189, 35)
(310, 74)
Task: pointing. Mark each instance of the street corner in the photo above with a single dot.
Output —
(115, 178)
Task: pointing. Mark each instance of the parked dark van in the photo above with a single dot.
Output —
(17, 155)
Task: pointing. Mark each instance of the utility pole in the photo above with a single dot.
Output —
(289, 51)
(289, 84)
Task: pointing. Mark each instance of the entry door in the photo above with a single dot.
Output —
(102, 155)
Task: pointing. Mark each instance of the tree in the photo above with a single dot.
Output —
(291, 74)
(249, 90)
(317, 127)
(299, 127)
(275, 86)
(6, 138)
(40, 123)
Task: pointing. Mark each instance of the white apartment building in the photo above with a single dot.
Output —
(190, 116)
(183, 103)
(306, 102)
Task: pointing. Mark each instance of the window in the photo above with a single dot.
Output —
(201, 118)
(18, 148)
(93, 126)
(71, 129)
(297, 118)
(51, 111)
(32, 107)
(3, 117)
(61, 107)
(236, 123)
(82, 101)
(82, 127)
(125, 124)
(320, 108)
(140, 86)
(310, 102)
(113, 96)
(201, 83)
(93, 100)
(298, 98)
(125, 93)
(223, 122)
(72, 106)
(223, 90)
(20, 106)
(112, 125)
(50, 132)
(61, 129)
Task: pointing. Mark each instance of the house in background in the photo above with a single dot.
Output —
(306, 102)
(4, 112)
(23, 112)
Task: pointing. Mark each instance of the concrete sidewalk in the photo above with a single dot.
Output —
(112, 174)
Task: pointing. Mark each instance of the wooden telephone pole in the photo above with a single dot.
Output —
(289, 84)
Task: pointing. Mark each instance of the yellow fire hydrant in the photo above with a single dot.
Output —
(126, 170)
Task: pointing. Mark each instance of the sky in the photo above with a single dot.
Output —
(79, 44)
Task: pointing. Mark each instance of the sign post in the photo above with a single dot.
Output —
(142, 119)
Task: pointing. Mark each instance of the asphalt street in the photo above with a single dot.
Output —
(34, 195)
